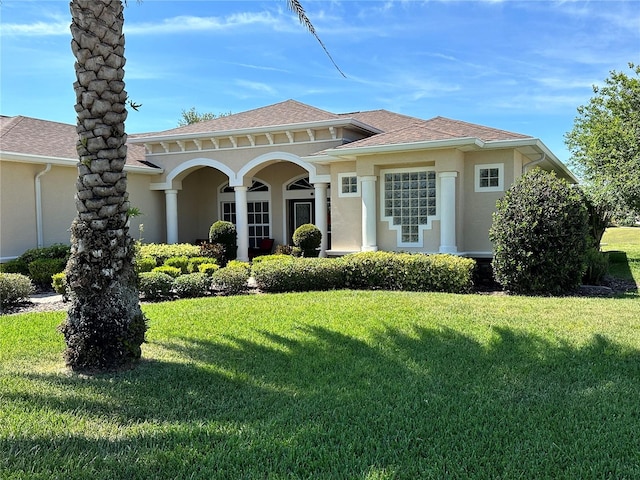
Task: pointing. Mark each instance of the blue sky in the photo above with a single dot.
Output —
(523, 66)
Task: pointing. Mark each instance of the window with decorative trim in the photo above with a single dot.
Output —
(489, 177)
(349, 185)
(409, 202)
(258, 214)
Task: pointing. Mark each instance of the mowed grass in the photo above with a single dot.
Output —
(347, 384)
(341, 384)
(623, 243)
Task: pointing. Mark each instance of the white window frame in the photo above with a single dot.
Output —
(349, 175)
(421, 226)
(487, 166)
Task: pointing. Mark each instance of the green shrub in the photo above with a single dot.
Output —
(162, 251)
(597, 266)
(214, 251)
(16, 265)
(59, 285)
(155, 285)
(208, 268)
(435, 273)
(14, 288)
(173, 272)
(270, 258)
(540, 235)
(180, 262)
(225, 234)
(191, 285)
(42, 269)
(283, 250)
(371, 270)
(145, 264)
(57, 250)
(410, 272)
(232, 279)
(193, 266)
(283, 273)
(307, 238)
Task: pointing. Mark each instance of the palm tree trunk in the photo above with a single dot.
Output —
(105, 326)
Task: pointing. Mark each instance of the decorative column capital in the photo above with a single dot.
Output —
(448, 174)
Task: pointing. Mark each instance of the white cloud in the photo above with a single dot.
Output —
(258, 87)
(36, 29)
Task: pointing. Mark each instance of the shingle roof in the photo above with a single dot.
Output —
(32, 136)
(284, 113)
(438, 128)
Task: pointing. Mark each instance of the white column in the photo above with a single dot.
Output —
(320, 193)
(369, 215)
(242, 223)
(448, 212)
(171, 202)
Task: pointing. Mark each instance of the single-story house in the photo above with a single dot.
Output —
(371, 180)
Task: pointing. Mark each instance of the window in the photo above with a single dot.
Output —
(348, 185)
(257, 210)
(490, 178)
(409, 202)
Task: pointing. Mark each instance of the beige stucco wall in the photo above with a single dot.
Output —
(18, 227)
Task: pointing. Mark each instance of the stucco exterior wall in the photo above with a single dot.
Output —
(346, 213)
(18, 226)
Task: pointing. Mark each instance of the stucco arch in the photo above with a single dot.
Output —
(268, 158)
(175, 176)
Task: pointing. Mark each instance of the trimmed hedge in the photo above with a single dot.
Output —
(155, 285)
(232, 279)
(191, 285)
(173, 272)
(181, 262)
(283, 273)
(59, 284)
(42, 270)
(14, 288)
(410, 272)
(162, 251)
(193, 266)
(145, 264)
(208, 268)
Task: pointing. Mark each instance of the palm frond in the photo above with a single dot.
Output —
(296, 7)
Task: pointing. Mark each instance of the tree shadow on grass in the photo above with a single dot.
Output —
(620, 269)
(429, 403)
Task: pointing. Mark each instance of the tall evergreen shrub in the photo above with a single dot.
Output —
(540, 235)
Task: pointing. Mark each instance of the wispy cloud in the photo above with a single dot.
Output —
(36, 29)
(257, 87)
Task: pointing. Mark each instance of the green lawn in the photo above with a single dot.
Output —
(623, 243)
(364, 385)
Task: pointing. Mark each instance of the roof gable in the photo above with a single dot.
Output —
(288, 112)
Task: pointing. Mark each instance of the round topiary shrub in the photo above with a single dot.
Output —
(307, 238)
(224, 233)
(145, 264)
(232, 279)
(540, 235)
(191, 285)
(14, 288)
(174, 272)
(155, 285)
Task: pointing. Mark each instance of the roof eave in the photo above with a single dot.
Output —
(341, 122)
(68, 162)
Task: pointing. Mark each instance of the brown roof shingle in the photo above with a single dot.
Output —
(32, 136)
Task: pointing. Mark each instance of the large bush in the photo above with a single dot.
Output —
(181, 262)
(540, 235)
(14, 288)
(283, 273)
(21, 264)
(225, 234)
(307, 238)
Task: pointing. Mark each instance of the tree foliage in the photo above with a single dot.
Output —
(193, 116)
(605, 143)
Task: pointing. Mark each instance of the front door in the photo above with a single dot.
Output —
(300, 212)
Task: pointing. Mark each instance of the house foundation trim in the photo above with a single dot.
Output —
(448, 212)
